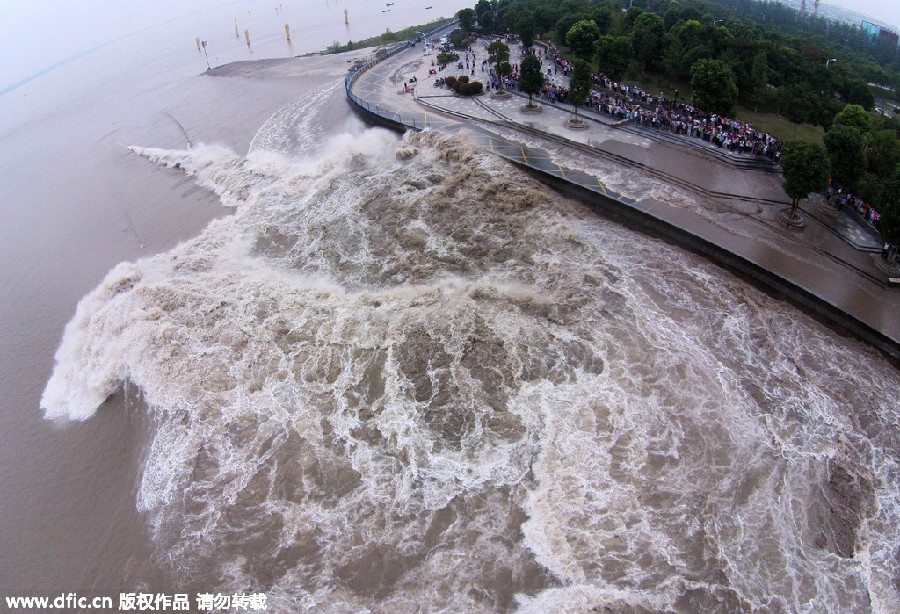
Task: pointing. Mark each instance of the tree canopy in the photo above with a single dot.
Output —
(581, 38)
(579, 84)
(853, 116)
(847, 149)
(466, 19)
(890, 212)
(647, 37)
(484, 14)
(714, 86)
(459, 38)
(759, 74)
(613, 55)
(525, 29)
(498, 52)
(806, 169)
(531, 77)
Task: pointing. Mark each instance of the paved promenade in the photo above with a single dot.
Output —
(689, 186)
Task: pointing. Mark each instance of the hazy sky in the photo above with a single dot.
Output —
(40, 33)
(887, 11)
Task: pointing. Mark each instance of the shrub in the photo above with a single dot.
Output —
(476, 88)
(445, 58)
(459, 39)
(451, 82)
(464, 87)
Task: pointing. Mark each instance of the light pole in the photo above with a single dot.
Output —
(829, 62)
(717, 21)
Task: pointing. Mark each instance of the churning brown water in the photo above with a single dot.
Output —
(403, 376)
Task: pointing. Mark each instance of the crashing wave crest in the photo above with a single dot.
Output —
(403, 375)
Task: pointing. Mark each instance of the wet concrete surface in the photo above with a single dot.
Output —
(831, 257)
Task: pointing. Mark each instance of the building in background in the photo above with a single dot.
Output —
(875, 30)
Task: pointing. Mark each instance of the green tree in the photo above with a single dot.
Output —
(565, 24)
(647, 38)
(674, 13)
(484, 14)
(613, 54)
(870, 188)
(714, 86)
(884, 152)
(856, 91)
(759, 73)
(846, 146)
(799, 103)
(603, 17)
(806, 169)
(525, 30)
(673, 57)
(631, 16)
(890, 229)
(889, 209)
(498, 54)
(579, 84)
(445, 57)
(466, 20)
(854, 116)
(691, 41)
(581, 38)
(545, 17)
(459, 38)
(504, 69)
(531, 77)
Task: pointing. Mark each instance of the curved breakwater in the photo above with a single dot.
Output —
(623, 210)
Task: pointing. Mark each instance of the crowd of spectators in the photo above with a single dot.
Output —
(629, 102)
(842, 199)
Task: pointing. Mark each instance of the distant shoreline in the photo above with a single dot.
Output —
(384, 39)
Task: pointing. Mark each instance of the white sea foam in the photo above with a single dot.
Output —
(403, 376)
(297, 127)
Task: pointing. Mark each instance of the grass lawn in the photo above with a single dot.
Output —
(657, 82)
(773, 123)
(781, 128)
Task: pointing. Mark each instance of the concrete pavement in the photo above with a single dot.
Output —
(720, 206)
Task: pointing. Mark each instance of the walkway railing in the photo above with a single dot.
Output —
(394, 117)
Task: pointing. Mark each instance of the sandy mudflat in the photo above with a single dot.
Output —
(305, 65)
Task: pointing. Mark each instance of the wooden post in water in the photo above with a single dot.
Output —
(236, 33)
(247, 36)
(198, 43)
(346, 18)
(287, 32)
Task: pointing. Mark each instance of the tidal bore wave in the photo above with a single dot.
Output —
(403, 376)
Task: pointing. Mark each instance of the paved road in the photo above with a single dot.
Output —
(832, 257)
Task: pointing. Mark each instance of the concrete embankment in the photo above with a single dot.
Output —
(817, 269)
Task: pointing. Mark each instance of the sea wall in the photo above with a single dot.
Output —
(648, 223)
(752, 272)
(374, 114)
